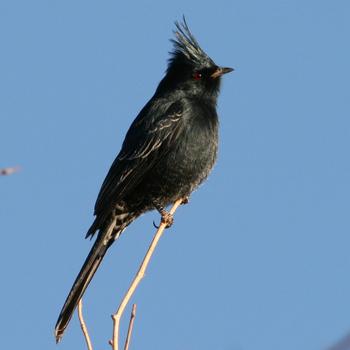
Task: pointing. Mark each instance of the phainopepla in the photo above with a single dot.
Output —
(169, 150)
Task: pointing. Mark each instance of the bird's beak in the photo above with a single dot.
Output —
(220, 71)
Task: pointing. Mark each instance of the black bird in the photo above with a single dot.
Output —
(169, 150)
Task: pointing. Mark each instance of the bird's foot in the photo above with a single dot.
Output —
(155, 225)
(185, 200)
(166, 219)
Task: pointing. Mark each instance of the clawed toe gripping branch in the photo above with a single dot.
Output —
(164, 223)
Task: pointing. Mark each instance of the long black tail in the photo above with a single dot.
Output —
(105, 238)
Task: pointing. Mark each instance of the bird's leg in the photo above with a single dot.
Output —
(166, 218)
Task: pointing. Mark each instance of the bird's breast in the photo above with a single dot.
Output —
(190, 160)
(198, 149)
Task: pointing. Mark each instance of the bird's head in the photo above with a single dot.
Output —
(190, 68)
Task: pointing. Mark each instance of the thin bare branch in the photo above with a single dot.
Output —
(140, 274)
(83, 325)
(131, 325)
(130, 328)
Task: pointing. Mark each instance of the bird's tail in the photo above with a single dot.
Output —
(105, 238)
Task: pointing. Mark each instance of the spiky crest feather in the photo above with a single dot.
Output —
(187, 50)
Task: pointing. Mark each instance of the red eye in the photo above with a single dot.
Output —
(197, 76)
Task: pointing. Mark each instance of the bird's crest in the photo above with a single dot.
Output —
(186, 46)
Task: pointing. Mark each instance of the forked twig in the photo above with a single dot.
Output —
(130, 328)
(83, 325)
(131, 325)
(140, 274)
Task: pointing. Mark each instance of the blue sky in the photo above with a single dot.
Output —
(259, 259)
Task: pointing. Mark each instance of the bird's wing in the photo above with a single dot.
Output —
(154, 127)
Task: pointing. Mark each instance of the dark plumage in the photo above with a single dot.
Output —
(168, 151)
